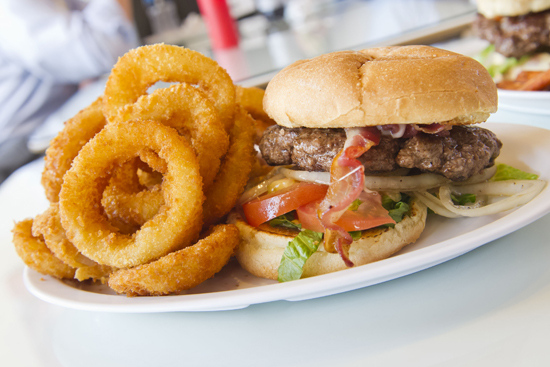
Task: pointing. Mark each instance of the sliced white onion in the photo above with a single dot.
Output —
(420, 182)
(258, 190)
(394, 195)
(317, 177)
(483, 176)
(480, 201)
(529, 189)
(379, 183)
(434, 204)
(398, 134)
(494, 199)
(497, 188)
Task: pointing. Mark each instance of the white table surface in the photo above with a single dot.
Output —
(489, 307)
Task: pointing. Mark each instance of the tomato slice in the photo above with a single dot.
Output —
(307, 216)
(370, 214)
(269, 206)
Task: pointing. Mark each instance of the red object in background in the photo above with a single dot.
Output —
(222, 28)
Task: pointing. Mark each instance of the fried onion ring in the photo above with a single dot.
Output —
(142, 67)
(34, 253)
(149, 178)
(180, 270)
(126, 199)
(185, 109)
(66, 145)
(133, 208)
(234, 171)
(97, 272)
(193, 116)
(175, 226)
(223, 194)
(251, 99)
(48, 225)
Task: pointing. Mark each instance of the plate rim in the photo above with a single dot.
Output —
(524, 101)
(525, 94)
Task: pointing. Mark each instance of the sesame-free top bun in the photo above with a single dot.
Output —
(510, 8)
(377, 86)
(260, 251)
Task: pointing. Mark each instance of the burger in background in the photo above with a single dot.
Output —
(519, 32)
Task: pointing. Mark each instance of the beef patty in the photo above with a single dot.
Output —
(464, 152)
(516, 36)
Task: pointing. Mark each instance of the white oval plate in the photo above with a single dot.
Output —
(525, 147)
(523, 101)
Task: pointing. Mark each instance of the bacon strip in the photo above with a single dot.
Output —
(347, 183)
(410, 130)
(435, 129)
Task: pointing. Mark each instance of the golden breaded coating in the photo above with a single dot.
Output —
(35, 254)
(66, 145)
(180, 270)
(48, 226)
(234, 172)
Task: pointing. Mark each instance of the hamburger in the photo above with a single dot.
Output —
(519, 33)
(357, 133)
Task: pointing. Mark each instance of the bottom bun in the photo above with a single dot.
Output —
(260, 251)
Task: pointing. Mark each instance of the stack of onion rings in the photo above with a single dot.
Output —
(130, 176)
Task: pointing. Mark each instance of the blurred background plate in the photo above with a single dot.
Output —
(510, 100)
(524, 101)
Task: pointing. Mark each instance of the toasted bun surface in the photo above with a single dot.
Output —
(260, 252)
(378, 86)
(510, 8)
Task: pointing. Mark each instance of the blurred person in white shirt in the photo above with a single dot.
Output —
(47, 48)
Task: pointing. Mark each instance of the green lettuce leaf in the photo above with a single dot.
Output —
(497, 64)
(396, 210)
(463, 199)
(483, 55)
(355, 235)
(286, 220)
(355, 205)
(499, 69)
(505, 172)
(387, 202)
(296, 254)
